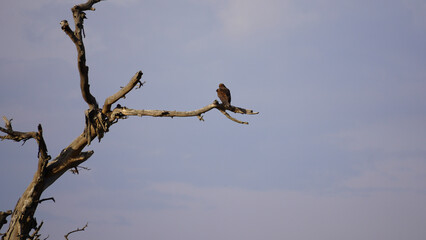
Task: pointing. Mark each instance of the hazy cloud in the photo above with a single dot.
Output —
(397, 135)
(242, 18)
(393, 174)
(190, 212)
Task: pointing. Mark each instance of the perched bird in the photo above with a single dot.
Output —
(224, 95)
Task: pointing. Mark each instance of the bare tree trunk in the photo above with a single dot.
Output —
(22, 221)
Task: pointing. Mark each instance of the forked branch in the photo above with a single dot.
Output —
(24, 136)
(77, 38)
(123, 112)
(15, 135)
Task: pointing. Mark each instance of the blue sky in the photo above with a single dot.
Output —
(337, 151)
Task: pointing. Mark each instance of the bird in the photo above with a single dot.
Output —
(224, 95)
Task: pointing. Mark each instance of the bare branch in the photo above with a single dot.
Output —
(122, 112)
(66, 28)
(24, 136)
(46, 199)
(69, 158)
(233, 119)
(64, 162)
(88, 5)
(117, 112)
(241, 110)
(75, 170)
(77, 37)
(15, 135)
(122, 92)
(35, 234)
(42, 148)
(77, 230)
(7, 123)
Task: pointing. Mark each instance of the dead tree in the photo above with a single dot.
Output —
(98, 122)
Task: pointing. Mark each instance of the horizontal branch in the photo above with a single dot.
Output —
(87, 6)
(121, 112)
(46, 199)
(15, 135)
(24, 136)
(162, 113)
(240, 110)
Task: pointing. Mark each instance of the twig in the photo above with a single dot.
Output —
(46, 199)
(8, 123)
(35, 234)
(77, 230)
(75, 170)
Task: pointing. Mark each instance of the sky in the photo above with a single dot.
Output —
(337, 151)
